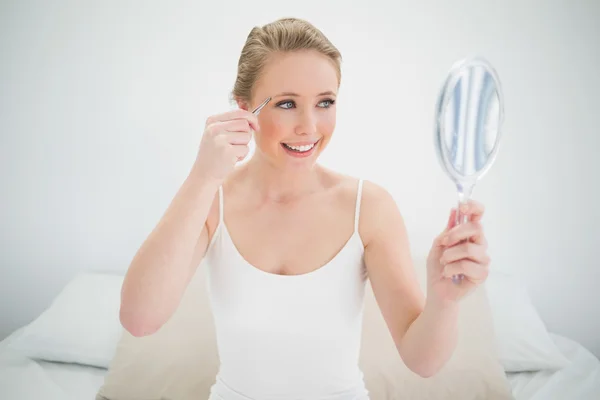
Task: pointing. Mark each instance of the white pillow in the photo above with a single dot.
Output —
(523, 342)
(80, 326)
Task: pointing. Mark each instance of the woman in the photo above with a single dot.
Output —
(289, 244)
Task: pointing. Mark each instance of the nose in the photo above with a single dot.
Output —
(307, 123)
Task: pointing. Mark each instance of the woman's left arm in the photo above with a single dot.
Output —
(424, 329)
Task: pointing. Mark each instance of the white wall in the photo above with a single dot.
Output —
(102, 107)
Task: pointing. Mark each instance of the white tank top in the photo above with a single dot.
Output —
(287, 336)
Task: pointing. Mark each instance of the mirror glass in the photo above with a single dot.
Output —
(469, 115)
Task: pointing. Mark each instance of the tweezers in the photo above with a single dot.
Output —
(260, 107)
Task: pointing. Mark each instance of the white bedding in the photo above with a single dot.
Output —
(22, 378)
(25, 379)
(579, 380)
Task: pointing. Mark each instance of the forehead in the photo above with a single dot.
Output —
(307, 73)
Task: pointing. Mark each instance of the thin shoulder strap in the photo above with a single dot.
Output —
(358, 198)
(220, 205)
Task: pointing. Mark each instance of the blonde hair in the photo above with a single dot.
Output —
(280, 36)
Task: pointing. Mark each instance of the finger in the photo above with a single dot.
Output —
(465, 251)
(235, 115)
(470, 231)
(235, 125)
(451, 219)
(474, 272)
(439, 240)
(473, 209)
(238, 138)
(451, 223)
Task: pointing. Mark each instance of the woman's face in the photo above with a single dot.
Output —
(298, 122)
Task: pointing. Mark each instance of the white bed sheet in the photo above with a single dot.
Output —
(25, 379)
(580, 380)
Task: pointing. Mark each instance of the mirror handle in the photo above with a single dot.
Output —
(464, 194)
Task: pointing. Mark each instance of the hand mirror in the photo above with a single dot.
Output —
(469, 114)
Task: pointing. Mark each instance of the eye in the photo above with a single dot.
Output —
(328, 103)
(286, 104)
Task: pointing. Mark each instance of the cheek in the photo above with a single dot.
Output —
(272, 130)
(326, 123)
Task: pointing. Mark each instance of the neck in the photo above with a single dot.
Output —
(280, 185)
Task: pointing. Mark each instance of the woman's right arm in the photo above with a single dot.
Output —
(167, 260)
(165, 263)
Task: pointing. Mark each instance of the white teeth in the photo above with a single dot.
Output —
(301, 149)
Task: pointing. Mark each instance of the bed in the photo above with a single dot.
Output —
(77, 372)
(25, 379)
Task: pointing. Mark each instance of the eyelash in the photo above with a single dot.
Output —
(330, 101)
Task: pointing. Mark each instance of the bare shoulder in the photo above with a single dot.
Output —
(378, 210)
(344, 188)
(375, 195)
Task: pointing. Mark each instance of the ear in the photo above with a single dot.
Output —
(242, 104)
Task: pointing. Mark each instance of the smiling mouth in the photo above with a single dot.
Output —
(302, 148)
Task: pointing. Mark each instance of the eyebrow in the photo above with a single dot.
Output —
(292, 94)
